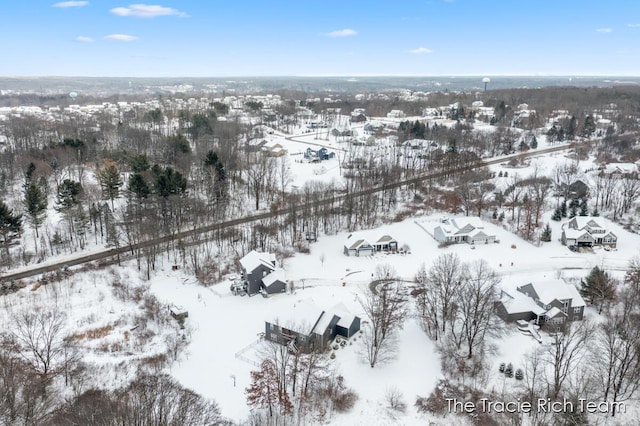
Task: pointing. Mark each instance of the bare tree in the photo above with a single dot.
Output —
(617, 356)
(475, 301)
(40, 335)
(565, 354)
(444, 280)
(385, 307)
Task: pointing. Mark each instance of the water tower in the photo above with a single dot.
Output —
(486, 81)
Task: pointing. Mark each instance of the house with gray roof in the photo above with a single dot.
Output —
(307, 327)
(357, 247)
(551, 302)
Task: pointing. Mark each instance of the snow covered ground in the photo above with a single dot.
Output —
(226, 328)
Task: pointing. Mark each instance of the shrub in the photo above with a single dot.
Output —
(344, 401)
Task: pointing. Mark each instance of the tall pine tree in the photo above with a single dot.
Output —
(110, 181)
(10, 227)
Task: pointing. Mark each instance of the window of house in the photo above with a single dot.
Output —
(576, 318)
(576, 310)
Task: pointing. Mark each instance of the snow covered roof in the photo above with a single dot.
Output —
(253, 259)
(461, 222)
(276, 275)
(574, 234)
(385, 239)
(554, 312)
(625, 168)
(517, 302)
(556, 289)
(582, 221)
(301, 317)
(346, 317)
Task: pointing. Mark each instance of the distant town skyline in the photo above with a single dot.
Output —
(320, 38)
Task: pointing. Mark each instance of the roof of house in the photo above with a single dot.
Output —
(385, 239)
(461, 222)
(357, 243)
(621, 168)
(574, 234)
(556, 289)
(346, 317)
(456, 225)
(554, 312)
(516, 302)
(582, 221)
(253, 259)
(302, 317)
(276, 275)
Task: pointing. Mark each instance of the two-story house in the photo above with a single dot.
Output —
(259, 273)
(309, 328)
(545, 302)
(585, 231)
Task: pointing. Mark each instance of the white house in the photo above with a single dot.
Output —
(395, 113)
(469, 230)
(584, 231)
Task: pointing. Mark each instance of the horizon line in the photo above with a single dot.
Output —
(333, 76)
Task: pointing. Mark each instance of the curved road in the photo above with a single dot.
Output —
(111, 252)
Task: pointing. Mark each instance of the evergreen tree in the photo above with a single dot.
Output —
(573, 211)
(598, 287)
(68, 203)
(584, 211)
(139, 163)
(595, 212)
(67, 195)
(169, 182)
(35, 204)
(563, 209)
(10, 226)
(534, 142)
(110, 181)
(138, 186)
(589, 126)
(211, 159)
(546, 234)
(557, 214)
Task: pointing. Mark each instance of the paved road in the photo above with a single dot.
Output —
(110, 253)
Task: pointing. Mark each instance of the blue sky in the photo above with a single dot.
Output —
(320, 38)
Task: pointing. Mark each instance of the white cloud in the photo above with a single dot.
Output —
(146, 11)
(84, 39)
(342, 33)
(120, 37)
(633, 25)
(420, 51)
(66, 4)
(604, 30)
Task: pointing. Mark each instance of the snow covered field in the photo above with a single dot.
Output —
(227, 328)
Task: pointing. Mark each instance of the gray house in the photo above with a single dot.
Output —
(309, 328)
(386, 243)
(259, 273)
(357, 247)
(552, 302)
